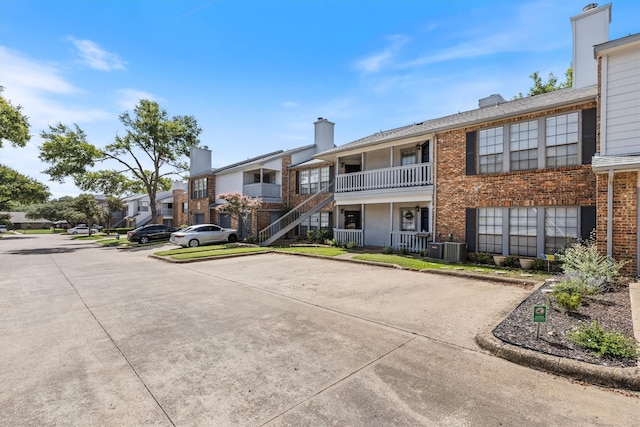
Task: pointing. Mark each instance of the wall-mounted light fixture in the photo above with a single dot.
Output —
(342, 164)
(417, 208)
(341, 211)
(418, 146)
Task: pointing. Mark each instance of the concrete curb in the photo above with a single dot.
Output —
(623, 378)
(528, 283)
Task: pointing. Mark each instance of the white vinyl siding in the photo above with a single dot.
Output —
(621, 96)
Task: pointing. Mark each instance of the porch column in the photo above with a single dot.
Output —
(610, 214)
(362, 222)
(391, 224)
(261, 176)
(391, 157)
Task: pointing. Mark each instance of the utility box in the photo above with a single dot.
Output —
(435, 250)
(455, 252)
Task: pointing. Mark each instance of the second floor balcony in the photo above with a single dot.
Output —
(415, 175)
(263, 190)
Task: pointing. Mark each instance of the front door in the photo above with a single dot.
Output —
(352, 220)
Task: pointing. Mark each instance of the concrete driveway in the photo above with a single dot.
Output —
(101, 336)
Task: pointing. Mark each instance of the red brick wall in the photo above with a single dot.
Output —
(544, 187)
(625, 223)
(201, 205)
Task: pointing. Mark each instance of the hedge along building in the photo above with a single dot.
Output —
(617, 164)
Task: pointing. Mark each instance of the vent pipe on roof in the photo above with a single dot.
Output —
(590, 6)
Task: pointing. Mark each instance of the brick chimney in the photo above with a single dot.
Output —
(589, 28)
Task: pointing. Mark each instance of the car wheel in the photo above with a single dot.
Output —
(233, 238)
(144, 239)
(193, 243)
(74, 233)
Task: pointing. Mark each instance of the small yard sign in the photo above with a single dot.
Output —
(539, 313)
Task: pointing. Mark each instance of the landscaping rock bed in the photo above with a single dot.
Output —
(612, 310)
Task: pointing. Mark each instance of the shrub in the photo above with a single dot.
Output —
(539, 264)
(602, 342)
(351, 245)
(310, 235)
(387, 250)
(483, 258)
(404, 250)
(510, 261)
(570, 302)
(250, 239)
(333, 242)
(582, 263)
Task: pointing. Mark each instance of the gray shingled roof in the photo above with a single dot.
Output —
(261, 158)
(517, 107)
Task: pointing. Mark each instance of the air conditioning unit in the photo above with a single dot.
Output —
(435, 250)
(455, 252)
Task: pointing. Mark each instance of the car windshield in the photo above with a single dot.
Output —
(190, 228)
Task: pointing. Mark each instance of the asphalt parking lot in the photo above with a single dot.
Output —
(101, 336)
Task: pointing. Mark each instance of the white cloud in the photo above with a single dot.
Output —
(129, 98)
(97, 58)
(41, 89)
(380, 60)
(289, 104)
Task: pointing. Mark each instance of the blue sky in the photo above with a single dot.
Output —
(257, 74)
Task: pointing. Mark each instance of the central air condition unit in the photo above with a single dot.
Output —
(435, 250)
(455, 252)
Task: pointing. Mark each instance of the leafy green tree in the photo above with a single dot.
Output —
(15, 187)
(91, 212)
(239, 207)
(114, 204)
(62, 209)
(552, 83)
(153, 148)
(14, 126)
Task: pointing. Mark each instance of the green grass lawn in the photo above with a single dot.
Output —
(404, 261)
(210, 252)
(314, 250)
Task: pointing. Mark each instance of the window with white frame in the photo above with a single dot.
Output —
(408, 220)
(317, 221)
(562, 140)
(523, 145)
(490, 230)
(523, 226)
(313, 180)
(408, 157)
(199, 188)
(490, 149)
(560, 228)
(143, 206)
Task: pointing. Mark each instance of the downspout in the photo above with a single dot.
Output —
(610, 214)
(638, 225)
(434, 174)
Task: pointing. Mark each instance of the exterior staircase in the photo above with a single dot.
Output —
(295, 216)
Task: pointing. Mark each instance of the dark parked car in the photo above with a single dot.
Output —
(150, 232)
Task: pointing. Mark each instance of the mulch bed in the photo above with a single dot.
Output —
(612, 310)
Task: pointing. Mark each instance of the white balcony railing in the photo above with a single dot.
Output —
(410, 240)
(165, 211)
(262, 190)
(348, 235)
(395, 177)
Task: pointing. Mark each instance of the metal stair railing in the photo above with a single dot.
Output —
(295, 216)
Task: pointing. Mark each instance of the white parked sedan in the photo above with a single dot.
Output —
(203, 234)
(82, 229)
